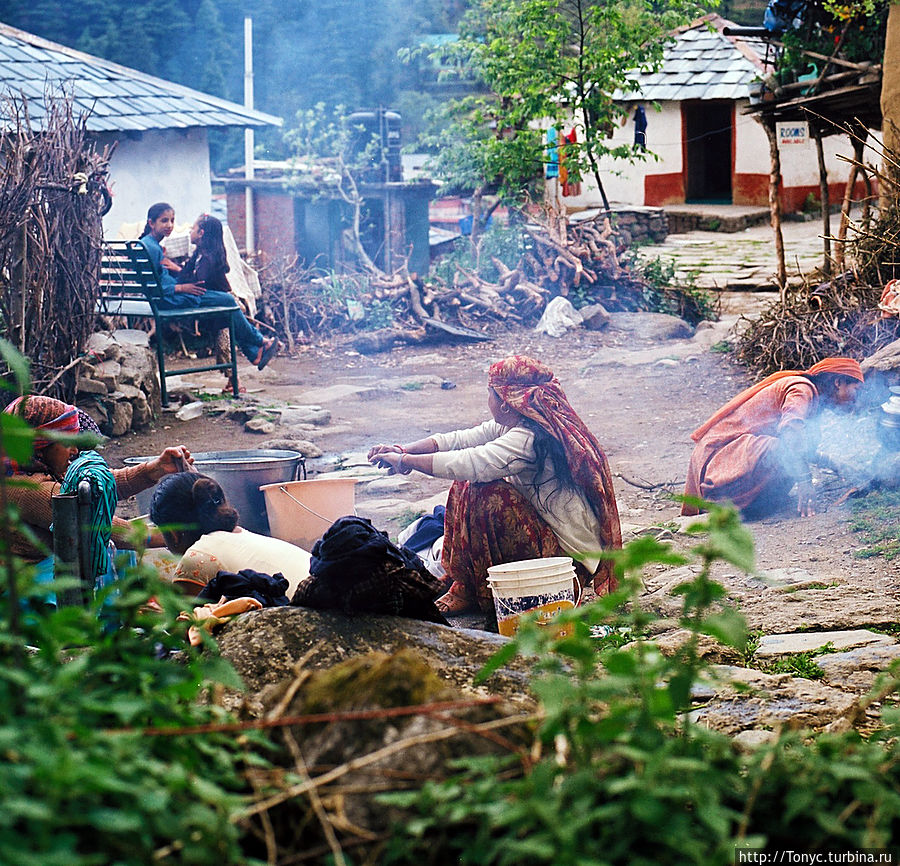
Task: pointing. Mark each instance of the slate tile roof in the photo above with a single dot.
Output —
(118, 98)
(703, 64)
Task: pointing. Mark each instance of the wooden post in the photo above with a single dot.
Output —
(768, 124)
(858, 140)
(826, 204)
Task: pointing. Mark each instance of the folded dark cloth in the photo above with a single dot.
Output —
(429, 530)
(356, 568)
(270, 590)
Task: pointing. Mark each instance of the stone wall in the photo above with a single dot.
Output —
(640, 225)
(118, 381)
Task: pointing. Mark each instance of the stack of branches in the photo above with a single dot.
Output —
(578, 260)
(52, 195)
(841, 316)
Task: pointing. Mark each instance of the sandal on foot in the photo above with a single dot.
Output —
(267, 352)
(454, 601)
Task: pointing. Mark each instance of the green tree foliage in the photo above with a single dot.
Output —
(548, 62)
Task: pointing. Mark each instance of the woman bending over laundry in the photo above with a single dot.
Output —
(199, 524)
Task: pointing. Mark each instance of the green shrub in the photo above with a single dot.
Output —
(623, 775)
(505, 243)
(87, 773)
(668, 292)
(81, 782)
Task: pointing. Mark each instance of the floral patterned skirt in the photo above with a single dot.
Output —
(487, 524)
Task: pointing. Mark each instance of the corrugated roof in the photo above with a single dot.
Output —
(701, 64)
(117, 97)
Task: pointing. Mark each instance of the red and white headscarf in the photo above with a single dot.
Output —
(45, 413)
(530, 387)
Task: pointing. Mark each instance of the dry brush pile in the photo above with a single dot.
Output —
(52, 195)
(504, 278)
(840, 316)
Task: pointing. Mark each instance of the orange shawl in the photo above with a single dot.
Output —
(838, 366)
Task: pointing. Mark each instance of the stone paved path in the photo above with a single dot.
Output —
(744, 260)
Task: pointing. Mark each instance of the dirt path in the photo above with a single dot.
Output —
(642, 414)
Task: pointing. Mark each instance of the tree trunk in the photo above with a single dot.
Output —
(826, 203)
(775, 202)
(858, 141)
(890, 101)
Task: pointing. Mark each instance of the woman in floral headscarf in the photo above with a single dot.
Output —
(532, 482)
(755, 448)
(49, 464)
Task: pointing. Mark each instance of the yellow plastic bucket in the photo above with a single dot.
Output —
(543, 585)
(301, 511)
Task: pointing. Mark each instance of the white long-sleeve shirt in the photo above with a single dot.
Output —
(492, 452)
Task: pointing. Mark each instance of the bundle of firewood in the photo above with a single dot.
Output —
(580, 260)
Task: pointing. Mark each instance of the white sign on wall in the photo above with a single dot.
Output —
(794, 132)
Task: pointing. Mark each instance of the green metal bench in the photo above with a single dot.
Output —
(130, 287)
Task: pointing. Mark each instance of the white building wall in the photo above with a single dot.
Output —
(800, 164)
(751, 145)
(624, 181)
(158, 165)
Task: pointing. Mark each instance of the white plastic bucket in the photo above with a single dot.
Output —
(543, 585)
(301, 511)
(549, 565)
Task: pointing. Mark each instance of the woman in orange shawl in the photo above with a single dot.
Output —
(758, 445)
(531, 482)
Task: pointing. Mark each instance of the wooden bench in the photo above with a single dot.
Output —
(130, 287)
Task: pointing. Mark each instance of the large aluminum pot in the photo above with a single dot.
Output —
(241, 474)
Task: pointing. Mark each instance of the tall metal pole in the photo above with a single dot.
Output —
(249, 223)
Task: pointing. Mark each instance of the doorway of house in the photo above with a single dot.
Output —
(708, 157)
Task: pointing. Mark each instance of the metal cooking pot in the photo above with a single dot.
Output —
(889, 421)
(240, 474)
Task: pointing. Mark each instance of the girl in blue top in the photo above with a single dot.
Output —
(201, 286)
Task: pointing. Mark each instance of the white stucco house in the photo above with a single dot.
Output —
(706, 149)
(160, 128)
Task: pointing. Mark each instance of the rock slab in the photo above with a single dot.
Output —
(774, 645)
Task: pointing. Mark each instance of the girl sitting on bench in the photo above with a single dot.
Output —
(200, 283)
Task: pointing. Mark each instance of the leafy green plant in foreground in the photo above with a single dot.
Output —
(84, 777)
(80, 780)
(625, 776)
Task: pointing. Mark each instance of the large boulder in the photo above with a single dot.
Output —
(651, 326)
(264, 648)
(886, 360)
(365, 727)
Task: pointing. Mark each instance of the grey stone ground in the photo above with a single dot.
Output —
(744, 260)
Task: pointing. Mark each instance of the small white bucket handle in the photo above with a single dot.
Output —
(304, 506)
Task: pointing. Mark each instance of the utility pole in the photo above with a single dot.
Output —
(249, 223)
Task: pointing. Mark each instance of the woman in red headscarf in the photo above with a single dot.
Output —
(49, 462)
(532, 482)
(759, 444)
